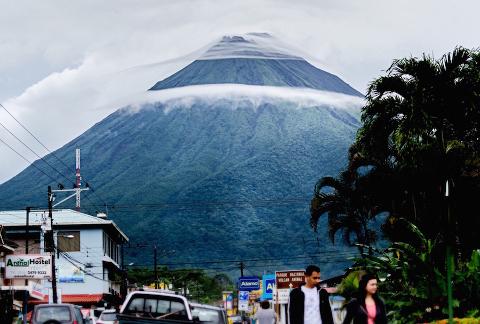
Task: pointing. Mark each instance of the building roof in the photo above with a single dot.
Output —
(61, 217)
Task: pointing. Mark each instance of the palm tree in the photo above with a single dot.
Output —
(343, 201)
(421, 123)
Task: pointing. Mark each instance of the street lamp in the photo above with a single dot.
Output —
(54, 275)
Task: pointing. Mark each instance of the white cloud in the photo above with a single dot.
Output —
(303, 98)
(65, 64)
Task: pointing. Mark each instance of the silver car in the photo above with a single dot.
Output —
(208, 314)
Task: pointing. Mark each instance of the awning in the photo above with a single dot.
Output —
(73, 299)
(109, 262)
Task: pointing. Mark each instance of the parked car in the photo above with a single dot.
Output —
(208, 314)
(57, 313)
(108, 316)
(149, 307)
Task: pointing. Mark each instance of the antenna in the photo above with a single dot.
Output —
(78, 184)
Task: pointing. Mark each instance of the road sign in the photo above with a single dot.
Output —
(289, 279)
(268, 286)
(280, 296)
(248, 283)
(227, 299)
(243, 300)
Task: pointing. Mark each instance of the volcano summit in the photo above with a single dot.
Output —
(217, 161)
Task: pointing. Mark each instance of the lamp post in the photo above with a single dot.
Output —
(54, 275)
(449, 254)
(124, 288)
(51, 245)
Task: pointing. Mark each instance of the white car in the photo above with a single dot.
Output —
(108, 316)
(208, 314)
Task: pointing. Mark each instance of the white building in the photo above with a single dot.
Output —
(88, 253)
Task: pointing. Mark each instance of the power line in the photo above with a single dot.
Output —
(45, 147)
(31, 150)
(54, 180)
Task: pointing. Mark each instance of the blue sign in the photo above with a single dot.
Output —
(243, 295)
(268, 286)
(248, 283)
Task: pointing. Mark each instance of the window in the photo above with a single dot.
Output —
(208, 315)
(68, 241)
(60, 313)
(157, 306)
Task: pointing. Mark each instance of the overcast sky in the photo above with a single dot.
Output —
(64, 65)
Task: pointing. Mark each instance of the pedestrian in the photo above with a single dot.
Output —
(367, 308)
(309, 304)
(265, 315)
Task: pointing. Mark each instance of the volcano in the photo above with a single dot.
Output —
(217, 161)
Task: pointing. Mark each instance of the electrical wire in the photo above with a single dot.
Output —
(45, 147)
(31, 150)
(29, 162)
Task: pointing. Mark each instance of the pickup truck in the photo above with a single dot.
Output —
(150, 307)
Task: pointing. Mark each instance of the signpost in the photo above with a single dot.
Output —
(28, 266)
(248, 283)
(227, 300)
(35, 289)
(268, 286)
(286, 281)
(243, 300)
(289, 279)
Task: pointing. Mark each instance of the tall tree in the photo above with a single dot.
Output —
(421, 123)
(344, 201)
(421, 127)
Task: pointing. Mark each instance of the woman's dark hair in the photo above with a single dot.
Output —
(265, 304)
(362, 285)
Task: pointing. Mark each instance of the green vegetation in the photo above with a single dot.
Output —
(196, 284)
(420, 130)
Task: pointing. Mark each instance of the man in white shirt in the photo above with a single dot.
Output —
(308, 304)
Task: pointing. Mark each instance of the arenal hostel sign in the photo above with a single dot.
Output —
(248, 283)
(28, 266)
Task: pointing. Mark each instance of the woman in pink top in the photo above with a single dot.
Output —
(367, 308)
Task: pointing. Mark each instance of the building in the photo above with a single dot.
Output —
(88, 255)
(6, 296)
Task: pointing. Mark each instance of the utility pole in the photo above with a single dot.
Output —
(241, 268)
(26, 294)
(155, 265)
(123, 289)
(52, 245)
(27, 229)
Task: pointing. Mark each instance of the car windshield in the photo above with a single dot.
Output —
(59, 313)
(108, 316)
(157, 306)
(207, 315)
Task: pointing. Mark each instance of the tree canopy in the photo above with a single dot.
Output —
(420, 129)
